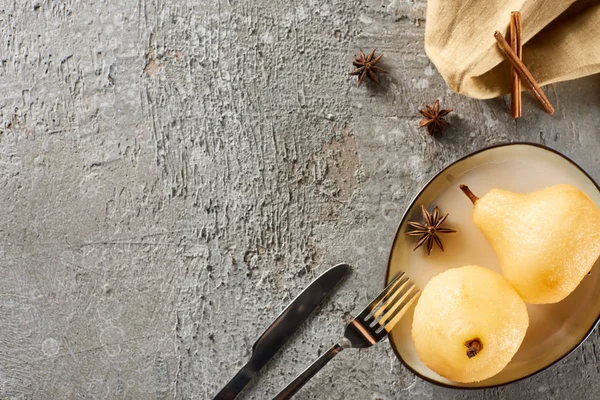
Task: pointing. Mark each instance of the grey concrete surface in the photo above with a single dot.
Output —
(172, 173)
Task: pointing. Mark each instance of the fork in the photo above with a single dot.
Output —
(367, 328)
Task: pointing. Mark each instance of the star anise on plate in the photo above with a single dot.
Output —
(429, 231)
(433, 118)
(366, 68)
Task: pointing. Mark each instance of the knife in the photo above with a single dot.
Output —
(269, 343)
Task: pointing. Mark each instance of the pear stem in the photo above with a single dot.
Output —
(474, 347)
(469, 194)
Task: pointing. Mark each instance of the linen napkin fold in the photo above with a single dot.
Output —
(561, 41)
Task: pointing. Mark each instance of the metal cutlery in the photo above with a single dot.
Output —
(367, 328)
(269, 343)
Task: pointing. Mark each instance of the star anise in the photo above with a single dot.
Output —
(434, 118)
(429, 231)
(365, 67)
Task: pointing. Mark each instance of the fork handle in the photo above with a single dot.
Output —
(308, 373)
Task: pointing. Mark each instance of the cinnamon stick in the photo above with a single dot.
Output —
(524, 73)
(516, 29)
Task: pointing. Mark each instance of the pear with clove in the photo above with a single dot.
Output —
(468, 324)
(546, 241)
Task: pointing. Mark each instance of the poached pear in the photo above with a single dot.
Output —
(468, 324)
(546, 241)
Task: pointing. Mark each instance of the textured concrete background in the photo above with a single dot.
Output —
(172, 173)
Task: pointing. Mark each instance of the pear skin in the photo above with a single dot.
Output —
(546, 241)
(468, 324)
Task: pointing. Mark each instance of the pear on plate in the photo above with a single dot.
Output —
(546, 241)
(468, 324)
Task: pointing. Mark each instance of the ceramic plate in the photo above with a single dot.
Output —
(554, 329)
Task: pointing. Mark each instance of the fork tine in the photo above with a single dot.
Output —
(399, 280)
(392, 317)
(393, 298)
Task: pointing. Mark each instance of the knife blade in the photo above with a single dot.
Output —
(272, 339)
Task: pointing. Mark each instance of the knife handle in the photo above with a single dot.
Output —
(236, 384)
(308, 373)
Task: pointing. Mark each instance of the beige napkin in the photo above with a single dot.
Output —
(561, 42)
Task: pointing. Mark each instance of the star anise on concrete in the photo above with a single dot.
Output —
(430, 230)
(365, 67)
(433, 118)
